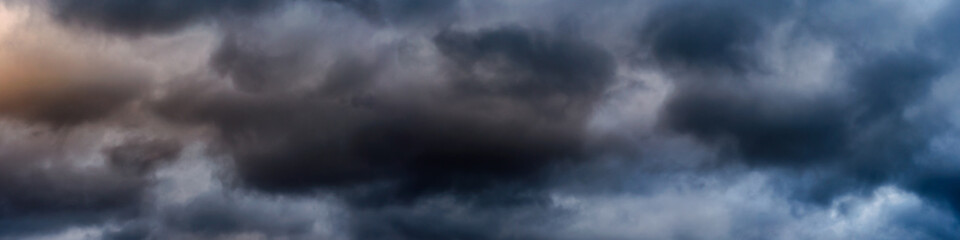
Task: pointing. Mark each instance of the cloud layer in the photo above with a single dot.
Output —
(459, 119)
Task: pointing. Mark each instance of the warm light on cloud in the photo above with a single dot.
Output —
(9, 18)
(60, 89)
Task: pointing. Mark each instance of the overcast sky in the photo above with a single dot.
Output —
(479, 119)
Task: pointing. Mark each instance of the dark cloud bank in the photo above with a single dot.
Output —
(447, 119)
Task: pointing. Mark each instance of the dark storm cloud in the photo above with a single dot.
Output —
(217, 215)
(142, 156)
(34, 199)
(254, 69)
(439, 221)
(43, 190)
(136, 17)
(889, 83)
(938, 45)
(227, 214)
(457, 119)
(526, 65)
(859, 135)
(761, 131)
(64, 100)
(418, 11)
(775, 128)
(158, 16)
(517, 102)
(708, 34)
(403, 12)
(720, 106)
(940, 185)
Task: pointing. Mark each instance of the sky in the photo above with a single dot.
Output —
(479, 119)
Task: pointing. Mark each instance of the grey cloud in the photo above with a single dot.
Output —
(254, 69)
(534, 115)
(64, 102)
(457, 119)
(529, 64)
(856, 137)
(135, 18)
(45, 187)
(142, 156)
(138, 17)
(217, 215)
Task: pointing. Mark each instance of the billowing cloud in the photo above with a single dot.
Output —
(461, 119)
(516, 101)
(53, 180)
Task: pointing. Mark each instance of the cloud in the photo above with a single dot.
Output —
(526, 116)
(462, 119)
(856, 133)
(60, 94)
(143, 155)
(51, 181)
(701, 34)
(138, 17)
(195, 204)
(161, 16)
